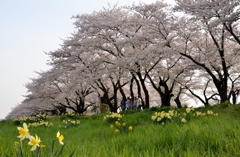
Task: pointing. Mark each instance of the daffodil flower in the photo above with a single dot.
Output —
(34, 142)
(188, 110)
(60, 138)
(117, 123)
(111, 126)
(154, 118)
(16, 144)
(183, 120)
(130, 128)
(23, 132)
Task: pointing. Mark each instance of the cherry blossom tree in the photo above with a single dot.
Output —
(97, 46)
(139, 49)
(214, 21)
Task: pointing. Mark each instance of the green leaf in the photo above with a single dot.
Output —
(52, 147)
(6, 155)
(38, 152)
(21, 148)
(60, 152)
(72, 153)
(16, 152)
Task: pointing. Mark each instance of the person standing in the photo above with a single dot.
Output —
(135, 103)
(139, 102)
(123, 104)
(98, 105)
(128, 103)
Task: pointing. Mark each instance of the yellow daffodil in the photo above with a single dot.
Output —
(130, 128)
(34, 142)
(209, 112)
(60, 138)
(162, 115)
(154, 118)
(123, 124)
(171, 113)
(188, 110)
(23, 132)
(117, 131)
(183, 120)
(198, 113)
(16, 144)
(192, 108)
(159, 119)
(42, 146)
(117, 123)
(111, 126)
(168, 116)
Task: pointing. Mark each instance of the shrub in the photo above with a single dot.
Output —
(225, 104)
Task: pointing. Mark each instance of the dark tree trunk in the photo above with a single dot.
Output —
(178, 102)
(166, 95)
(80, 106)
(145, 90)
(234, 98)
(177, 99)
(121, 91)
(138, 86)
(166, 99)
(234, 95)
(131, 88)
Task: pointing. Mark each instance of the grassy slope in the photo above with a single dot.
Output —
(212, 136)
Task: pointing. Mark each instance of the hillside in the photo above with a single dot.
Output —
(208, 131)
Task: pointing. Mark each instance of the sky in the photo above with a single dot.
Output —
(29, 29)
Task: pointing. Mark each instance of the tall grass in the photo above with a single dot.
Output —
(200, 136)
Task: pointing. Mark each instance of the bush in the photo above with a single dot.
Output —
(225, 104)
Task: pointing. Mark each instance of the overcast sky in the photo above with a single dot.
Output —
(30, 28)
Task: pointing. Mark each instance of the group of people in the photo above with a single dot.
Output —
(129, 103)
(126, 104)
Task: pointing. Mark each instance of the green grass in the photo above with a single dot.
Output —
(200, 136)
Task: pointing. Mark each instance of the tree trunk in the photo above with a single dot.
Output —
(121, 91)
(145, 90)
(131, 88)
(138, 86)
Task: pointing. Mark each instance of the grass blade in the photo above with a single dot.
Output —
(72, 153)
(60, 152)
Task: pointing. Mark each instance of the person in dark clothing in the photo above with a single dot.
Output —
(123, 104)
